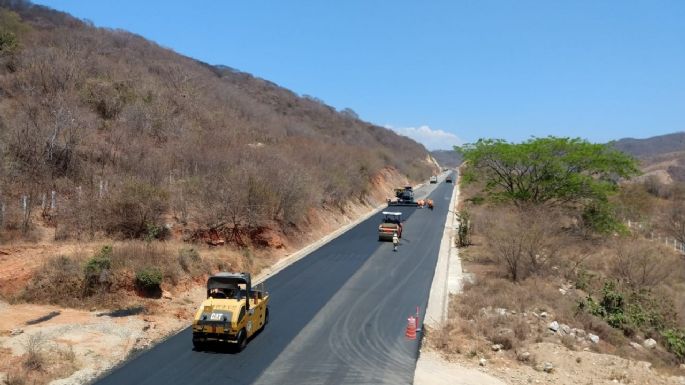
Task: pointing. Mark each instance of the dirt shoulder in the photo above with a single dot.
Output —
(564, 367)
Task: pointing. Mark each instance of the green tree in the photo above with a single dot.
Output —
(551, 170)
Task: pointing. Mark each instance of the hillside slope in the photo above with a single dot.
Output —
(130, 136)
(447, 158)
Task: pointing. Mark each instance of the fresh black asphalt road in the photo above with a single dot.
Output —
(338, 316)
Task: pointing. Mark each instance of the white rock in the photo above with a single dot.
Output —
(594, 338)
(16, 332)
(482, 362)
(501, 312)
(543, 314)
(636, 346)
(525, 356)
(548, 367)
(565, 329)
(562, 291)
(579, 332)
(166, 295)
(496, 347)
(649, 343)
(554, 326)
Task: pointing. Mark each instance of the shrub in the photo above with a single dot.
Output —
(190, 261)
(599, 217)
(35, 358)
(135, 208)
(58, 281)
(96, 271)
(632, 311)
(149, 279)
(675, 342)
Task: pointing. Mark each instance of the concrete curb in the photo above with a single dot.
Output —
(438, 300)
(447, 272)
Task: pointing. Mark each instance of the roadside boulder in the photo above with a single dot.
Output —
(649, 343)
(554, 326)
(593, 338)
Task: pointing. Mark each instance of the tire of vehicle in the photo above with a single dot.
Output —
(198, 345)
(380, 239)
(242, 341)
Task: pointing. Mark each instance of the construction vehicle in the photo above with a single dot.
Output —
(232, 313)
(392, 223)
(433, 179)
(403, 197)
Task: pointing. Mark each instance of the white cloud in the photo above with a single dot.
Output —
(432, 139)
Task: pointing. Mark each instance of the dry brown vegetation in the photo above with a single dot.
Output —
(41, 363)
(109, 278)
(531, 260)
(131, 137)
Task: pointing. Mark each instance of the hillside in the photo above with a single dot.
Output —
(656, 145)
(132, 137)
(662, 157)
(447, 158)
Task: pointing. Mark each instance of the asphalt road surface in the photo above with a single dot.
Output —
(337, 316)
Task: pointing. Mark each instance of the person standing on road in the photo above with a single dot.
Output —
(395, 241)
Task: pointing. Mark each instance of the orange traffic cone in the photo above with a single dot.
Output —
(411, 328)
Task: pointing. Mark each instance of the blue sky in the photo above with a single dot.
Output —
(443, 71)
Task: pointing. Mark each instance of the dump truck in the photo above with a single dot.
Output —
(391, 224)
(434, 179)
(403, 197)
(232, 313)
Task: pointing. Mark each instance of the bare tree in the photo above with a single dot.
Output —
(674, 223)
(642, 265)
(524, 241)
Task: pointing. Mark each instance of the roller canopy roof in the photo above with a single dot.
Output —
(228, 280)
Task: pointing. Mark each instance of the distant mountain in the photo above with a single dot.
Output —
(656, 145)
(447, 158)
(660, 156)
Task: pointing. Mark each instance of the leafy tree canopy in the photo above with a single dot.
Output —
(551, 170)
